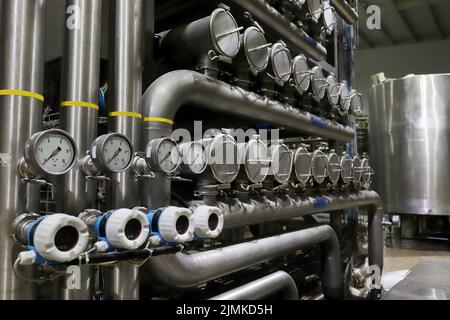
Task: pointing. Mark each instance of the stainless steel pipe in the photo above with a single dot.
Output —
(79, 113)
(279, 282)
(21, 88)
(183, 270)
(345, 11)
(296, 39)
(124, 112)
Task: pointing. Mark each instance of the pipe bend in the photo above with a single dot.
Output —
(278, 282)
(171, 91)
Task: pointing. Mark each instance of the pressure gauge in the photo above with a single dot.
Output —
(301, 74)
(334, 168)
(281, 61)
(256, 49)
(356, 102)
(347, 169)
(333, 90)
(112, 153)
(222, 157)
(51, 152)
(319, 166)
(162, 155)
(255, 157)
(281, 163)
(193, 158)
(302, 166)
(357, 170)
(367, 171)
(319, 83)
(344, 98)
(329, 17)
(315, 9)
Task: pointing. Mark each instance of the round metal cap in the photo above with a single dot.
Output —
(222, 156)
(225, 34)
(302, 165)
(334, 168)
(356, 103)
(281, 166)
(256, 50)
(347, 169)
(315, 9)
(319, 83)
(357, 170)
(329, 17)
(367, 171)
(344, 99)
(281, 62)
(319, 166)
(301, 74)
(332, 90)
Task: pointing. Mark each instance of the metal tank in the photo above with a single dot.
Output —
(410, 143)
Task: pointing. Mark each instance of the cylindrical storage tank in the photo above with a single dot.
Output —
(410, 143)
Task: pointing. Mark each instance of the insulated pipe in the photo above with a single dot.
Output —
(21, 105)
(167, 94)
(183, 270)
(79, 113)
(124, 112)
(345, 11)
(279, 282)
(296, 39)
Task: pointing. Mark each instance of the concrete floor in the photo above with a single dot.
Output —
(401, 259)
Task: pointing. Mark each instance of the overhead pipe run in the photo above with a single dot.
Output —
(21, 104)
(183, 270)
(345, 11)
(295, 38)
(276, 283)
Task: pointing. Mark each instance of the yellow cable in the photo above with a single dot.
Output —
(163, 120)
(22, 93)
(79, 104)
(125, 114)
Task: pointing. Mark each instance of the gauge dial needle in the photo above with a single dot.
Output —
(115, 155)
(54, 154)
(167, 156)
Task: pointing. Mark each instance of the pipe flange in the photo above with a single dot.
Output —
(127, 229)
(208, 222)
(176, 225)
(61, 238)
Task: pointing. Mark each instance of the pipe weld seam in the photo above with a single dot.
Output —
(125, 114)
(80, 104)
(22, 93)
(156, 119)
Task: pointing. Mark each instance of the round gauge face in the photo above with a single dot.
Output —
(281, 163)
(223, 158)
(167, 156)
(256, 161)
(281, 62)
(357, 170)
(302, 165)
(366, 173)
(302, 75)
(319, 166)
(347, 169)
(117, 153)
(225, 33)
(344, 99)
(334, 168)
(329, 17)
(332, 90)
(319, 83)
(55, 152)
(193, 157)
(256, 49)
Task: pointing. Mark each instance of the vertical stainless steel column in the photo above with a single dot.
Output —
(21, 82)
(79, 111)
(124, 107)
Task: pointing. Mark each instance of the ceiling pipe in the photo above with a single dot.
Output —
(21, 105)
(79, 113)
(276, 283)
(189, 270)
(345, 11)
(296, 39)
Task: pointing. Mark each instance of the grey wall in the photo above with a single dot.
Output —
(398, 61)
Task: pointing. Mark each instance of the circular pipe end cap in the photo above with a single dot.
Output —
(176, 225)
(127, 229)
(208, 222)
(61, 238)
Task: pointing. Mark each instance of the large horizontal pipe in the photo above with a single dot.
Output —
(345, 11)
(279, 282)
(178, 88)
(237, 213)
(189, 270)
(295, 38)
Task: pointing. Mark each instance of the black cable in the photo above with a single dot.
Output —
(180, 200)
